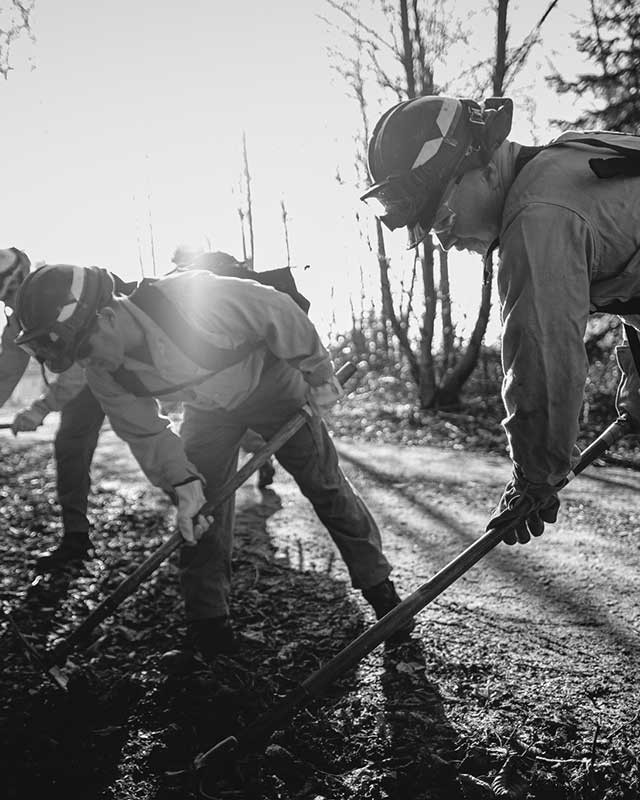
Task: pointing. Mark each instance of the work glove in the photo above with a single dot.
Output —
(628, 394)
(321, 398)
(29, 419)
(191, 499)
(525, 507)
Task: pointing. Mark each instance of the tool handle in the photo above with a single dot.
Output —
(354, 652)
(104, 609)
(5, 426)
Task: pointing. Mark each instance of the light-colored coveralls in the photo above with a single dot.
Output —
(259, 392)
(81, 418)
(569, 243)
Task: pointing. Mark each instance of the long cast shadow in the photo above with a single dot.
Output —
(560, 595)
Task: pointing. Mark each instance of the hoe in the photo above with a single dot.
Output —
(258, 731)
(52, 661)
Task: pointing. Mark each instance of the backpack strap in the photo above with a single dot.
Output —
(154, 303)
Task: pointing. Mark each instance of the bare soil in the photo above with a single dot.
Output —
(520, 680)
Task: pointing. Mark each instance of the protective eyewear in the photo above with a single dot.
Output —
(399, 200)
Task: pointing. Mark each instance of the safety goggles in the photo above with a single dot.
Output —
(398, 200)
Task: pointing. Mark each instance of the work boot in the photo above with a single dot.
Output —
(265, 474)
(382, 598)
(211, 637)
(74, 548)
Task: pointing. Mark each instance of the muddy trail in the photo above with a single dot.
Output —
(520, 681)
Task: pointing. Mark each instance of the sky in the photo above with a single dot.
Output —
(124, 123)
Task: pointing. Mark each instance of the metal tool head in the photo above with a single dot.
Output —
(39, 660)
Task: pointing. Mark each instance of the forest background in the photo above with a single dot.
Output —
(139, 128)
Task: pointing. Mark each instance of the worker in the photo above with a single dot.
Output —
(238, 355)
(80, 421)
(565, 220)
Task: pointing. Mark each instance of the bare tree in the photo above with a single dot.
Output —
(15, 21)
(402, 63)
(249, 212)
(285, 225)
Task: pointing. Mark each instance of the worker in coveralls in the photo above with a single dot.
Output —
(81, 418)
(238, 355)
(566, 221)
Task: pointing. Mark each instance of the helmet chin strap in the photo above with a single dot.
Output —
(44, 374)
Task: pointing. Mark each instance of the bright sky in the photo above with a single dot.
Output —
(128, 113)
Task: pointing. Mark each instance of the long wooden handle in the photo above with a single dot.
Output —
(104, 609)
(354, 652)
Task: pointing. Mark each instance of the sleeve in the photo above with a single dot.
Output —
(13, 361)
(137, 420)
(60, 390)
(543, 281)
(274, 317)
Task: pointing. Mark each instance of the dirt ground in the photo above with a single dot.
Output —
(520, 680)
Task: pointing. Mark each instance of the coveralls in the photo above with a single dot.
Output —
(261, 392)
(569, 245)
(81, 418)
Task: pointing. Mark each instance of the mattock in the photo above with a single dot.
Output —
(52, 661)
(258, 732)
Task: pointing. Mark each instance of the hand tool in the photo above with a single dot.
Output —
(58, 654)
(354, 652)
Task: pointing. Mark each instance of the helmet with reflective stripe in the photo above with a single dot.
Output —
(420, 146)
(56, 307)
(14, 268)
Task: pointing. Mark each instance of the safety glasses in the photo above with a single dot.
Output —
(399, 200)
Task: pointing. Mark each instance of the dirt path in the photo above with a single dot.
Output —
(533, 652)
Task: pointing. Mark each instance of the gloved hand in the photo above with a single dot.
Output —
(190, 497)
(628, 394)
(29, 419)
(321, 398)
(526, 507)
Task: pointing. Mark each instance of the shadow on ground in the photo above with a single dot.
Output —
(127, 729)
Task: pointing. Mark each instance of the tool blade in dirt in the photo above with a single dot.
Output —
(40, 661)
(106, 608)
(258, 731)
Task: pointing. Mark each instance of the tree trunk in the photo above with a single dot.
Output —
(387, 299)
(427, 378)
(448, 394)
(445, 310)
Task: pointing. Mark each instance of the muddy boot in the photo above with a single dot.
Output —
(265, 474)
(72, 551)
(210, 637)
(382, 598)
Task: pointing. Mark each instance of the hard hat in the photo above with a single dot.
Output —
(56, 307)
(218, 261)
(14, 268)
(185, 254)
(420, 146)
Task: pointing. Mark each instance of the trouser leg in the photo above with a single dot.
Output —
(311, 458)
(74, 446)
(212, 441)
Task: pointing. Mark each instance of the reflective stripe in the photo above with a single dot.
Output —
(444, 121)
(77, 286)
(427, 152)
